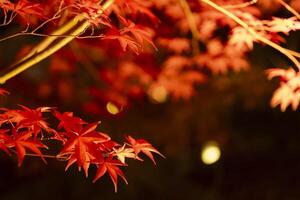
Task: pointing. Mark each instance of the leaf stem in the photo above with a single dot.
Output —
(45, 156)
(58, 157)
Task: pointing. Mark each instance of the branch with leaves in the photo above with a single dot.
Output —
(134, 48)
(25, 129)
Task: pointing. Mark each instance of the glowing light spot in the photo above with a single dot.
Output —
(112, 108)
(159, 94)
(211, 153)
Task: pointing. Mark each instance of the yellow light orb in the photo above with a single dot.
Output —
(159, 94)
(210, 153)
(112, 108)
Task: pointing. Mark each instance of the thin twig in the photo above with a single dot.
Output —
(23, 33)
(241, 5)
(45, 156)
(61, 31)
(39, 56)
(192, 24)
(289, 8)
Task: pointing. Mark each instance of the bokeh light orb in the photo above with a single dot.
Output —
(210, 153)
(112, 108)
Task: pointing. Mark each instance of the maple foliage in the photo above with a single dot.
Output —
(23, 132)
(131, 50)
(198, 39)
(288, 92)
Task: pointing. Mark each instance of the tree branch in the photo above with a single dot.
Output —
(40, 52)
(289, 8)
(252, 31)
(192, 24)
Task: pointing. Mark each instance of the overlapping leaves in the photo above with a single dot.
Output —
(24, 130)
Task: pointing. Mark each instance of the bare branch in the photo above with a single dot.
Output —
(242, 5)
(289, 8)
(192, 24)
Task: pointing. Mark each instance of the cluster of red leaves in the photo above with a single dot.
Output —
(23, 8)
(185, 58)
(25, 129)
(222, 46)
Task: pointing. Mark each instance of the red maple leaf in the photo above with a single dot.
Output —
(68, 121)
(141, 145)
(26, 8)
(3, 139)
(22, 141)
(33, 119)
(6, 5)
(81, 145)
(10, 116)
(140, 33)
(125, 41)
(110, 165)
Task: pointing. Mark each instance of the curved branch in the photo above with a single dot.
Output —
(252, 31)
(41, 52)
(192, 24)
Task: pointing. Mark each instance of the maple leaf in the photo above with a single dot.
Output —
(141, 145)
(92, 8)
(21, 141)
(10, 116)
(134, 7)
(286, 95)
(283, 74)
(132, 36)
(33, 119)
(140, 33)
(3, 139)
(241, 37)
(26, 8)
(288, 92)
(68, 121)
(125, 42)
(123, 152)
(81, 145)
(6, 5)
(110, 165)
(284, 25)
(108, 146)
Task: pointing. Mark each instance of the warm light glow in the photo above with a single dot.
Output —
(112, 108)
(159, 94)
(211, 153)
